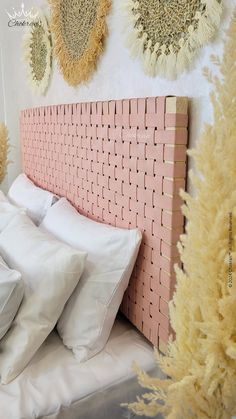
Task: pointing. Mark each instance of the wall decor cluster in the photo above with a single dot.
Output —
(4, 147)
(166, 34)
(38, 54)
(79, 28)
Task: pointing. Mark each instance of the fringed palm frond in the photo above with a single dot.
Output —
(167, 39)
(79, 32)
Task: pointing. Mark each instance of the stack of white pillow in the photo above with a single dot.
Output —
(57, 268)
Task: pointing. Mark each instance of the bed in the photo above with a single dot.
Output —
(120, 163)
(55, 385)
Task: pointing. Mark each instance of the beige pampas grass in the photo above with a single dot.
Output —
(4, 147)
(201, 362)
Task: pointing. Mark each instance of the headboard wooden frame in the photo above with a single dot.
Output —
(120, 162)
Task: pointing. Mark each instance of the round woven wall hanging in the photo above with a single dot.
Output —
(79, 28)
(166, 34)
(38, 54)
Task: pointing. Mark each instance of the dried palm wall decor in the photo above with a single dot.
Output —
(4, 147)
(38, 54)
(80, 29)
(166, 34)
(201, 362)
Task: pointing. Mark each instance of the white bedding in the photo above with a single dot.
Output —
(54, 379)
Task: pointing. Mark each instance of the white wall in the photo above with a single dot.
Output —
(118, 76)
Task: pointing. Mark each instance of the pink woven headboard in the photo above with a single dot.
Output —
(120, 162)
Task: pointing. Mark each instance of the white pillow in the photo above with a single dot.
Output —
(88, 317)
(50, 270)
(24, 193)
(3, 197)
(11, 294)
(7, 211)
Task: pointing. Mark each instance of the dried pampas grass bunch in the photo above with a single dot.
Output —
(4, 148)
(201, 362)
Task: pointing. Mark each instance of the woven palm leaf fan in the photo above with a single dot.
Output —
(38, 54)
(79, 28)
(166, 34)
